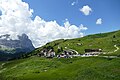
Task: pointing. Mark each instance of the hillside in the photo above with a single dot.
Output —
(77, 68)
(36, 68)
(104, 41)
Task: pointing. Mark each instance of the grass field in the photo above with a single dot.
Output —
(36, 68)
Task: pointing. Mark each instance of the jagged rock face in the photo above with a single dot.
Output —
(22, 45)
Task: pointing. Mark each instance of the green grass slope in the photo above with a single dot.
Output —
(104, 41)
(36, 68)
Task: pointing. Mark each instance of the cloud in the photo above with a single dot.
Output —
(99, 21)
(73, 3)
(16, 19)
(86, 10)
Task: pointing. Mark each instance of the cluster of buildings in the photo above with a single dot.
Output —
(92, 52)
(50, 53)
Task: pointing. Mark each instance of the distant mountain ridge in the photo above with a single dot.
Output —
(9, 46)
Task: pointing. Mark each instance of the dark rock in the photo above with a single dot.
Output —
(9, 46)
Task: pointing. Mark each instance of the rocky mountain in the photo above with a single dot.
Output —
(14, 47)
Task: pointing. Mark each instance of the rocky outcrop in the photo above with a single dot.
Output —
(22, 45)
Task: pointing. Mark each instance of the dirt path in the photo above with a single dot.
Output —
(74, 51)
(109, 56)
(2, 67)
(117, 48)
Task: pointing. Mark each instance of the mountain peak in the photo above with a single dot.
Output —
(21, 45)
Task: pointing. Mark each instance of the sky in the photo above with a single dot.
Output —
(47, 20)
(59, 10)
